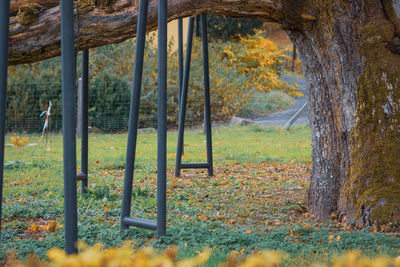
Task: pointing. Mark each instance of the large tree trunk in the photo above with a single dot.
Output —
(352, 67)
(350, 56)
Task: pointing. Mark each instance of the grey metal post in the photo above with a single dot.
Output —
(4, 25)
(198, 26)
(79, 110)
(182, 106)
(162, 119)
(207, 108)
(69, 137)
(180, 57)
(180, 63)
(85, 120)
(134, 111)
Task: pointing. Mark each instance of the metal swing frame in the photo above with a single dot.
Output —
(160, 224)
(69, 139)
(69, 123)
(68, 101)
(126, 220)
(184, 84)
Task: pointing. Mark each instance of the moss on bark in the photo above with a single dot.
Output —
(358, 109)
(28, 14)
(97, 3)
(373, 187)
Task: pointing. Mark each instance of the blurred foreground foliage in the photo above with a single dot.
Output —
(97, 256)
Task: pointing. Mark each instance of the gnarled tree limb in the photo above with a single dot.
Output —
(103, 25)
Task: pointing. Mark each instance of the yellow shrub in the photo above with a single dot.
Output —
(18, 141)
(262, 61)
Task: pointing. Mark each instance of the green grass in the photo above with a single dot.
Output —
(252, 203)
(263, 103)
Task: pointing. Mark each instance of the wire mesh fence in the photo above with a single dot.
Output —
(238, 87)
(108, 109)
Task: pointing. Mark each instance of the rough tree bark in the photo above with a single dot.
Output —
(351, 61)
(350, 52)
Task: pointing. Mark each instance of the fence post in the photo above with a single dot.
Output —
(79, 112)
(294, 118)
(294, 58)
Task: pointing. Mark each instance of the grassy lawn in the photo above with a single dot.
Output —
(256, 200)
(263, 103)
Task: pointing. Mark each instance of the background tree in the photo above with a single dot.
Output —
(226, 27)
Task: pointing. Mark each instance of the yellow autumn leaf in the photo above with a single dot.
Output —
(52, 226)
(32, 228)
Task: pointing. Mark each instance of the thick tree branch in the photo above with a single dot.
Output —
(103, 24)
(15, 5)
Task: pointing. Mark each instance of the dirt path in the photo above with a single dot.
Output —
(281, 117)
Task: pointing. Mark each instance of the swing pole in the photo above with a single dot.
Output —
(4, 25)
(69, 126)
